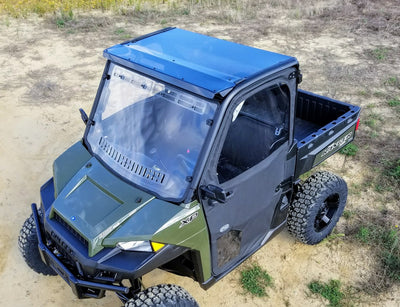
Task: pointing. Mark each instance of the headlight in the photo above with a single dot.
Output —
(140, 246)
(137, 246)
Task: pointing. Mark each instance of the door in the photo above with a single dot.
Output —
(247, 168)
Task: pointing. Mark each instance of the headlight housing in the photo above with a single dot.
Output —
(140, 246)
(136, 246)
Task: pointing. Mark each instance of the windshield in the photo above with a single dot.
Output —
(149, 132)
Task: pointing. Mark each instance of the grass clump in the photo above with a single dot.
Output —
(392, 262)
(347, 214)
(349, 150)
(387, 242)
(372, 120)
(391, 173)
(255, 280)
(364, 234)
(331, 291)
(388, 178)
(392, 81)
(63, 18)
(394, 102)
(394, 171)
(122, 33)
(380, 53)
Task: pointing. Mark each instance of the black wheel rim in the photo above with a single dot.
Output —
(326, 212)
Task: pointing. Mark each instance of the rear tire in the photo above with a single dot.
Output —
(28, 246)
(162, 295)
(317, 207)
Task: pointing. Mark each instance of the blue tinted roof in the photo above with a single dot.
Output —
(200, 63)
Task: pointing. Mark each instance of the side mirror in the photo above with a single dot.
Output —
(84, 116)
(213, 192)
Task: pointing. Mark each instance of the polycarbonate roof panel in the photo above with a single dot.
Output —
(210, 64)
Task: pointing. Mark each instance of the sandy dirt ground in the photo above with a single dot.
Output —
(49, 73)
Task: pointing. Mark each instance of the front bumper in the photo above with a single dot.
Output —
(81, 288)
(67, 255)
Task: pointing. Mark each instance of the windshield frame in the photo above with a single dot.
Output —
(189, 189)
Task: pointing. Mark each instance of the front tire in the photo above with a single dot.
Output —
(162, 295)
(317, 207)
(28, 246)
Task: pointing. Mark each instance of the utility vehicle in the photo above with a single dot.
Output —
(190, 163)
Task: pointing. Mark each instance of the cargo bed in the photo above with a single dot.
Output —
(322, 127)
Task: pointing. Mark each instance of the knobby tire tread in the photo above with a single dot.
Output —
(162, 295)
(314, 188)
(28, 246)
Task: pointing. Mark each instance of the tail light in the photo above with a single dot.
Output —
(358, 123)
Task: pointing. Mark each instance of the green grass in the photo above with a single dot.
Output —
(392, 81)
(394, 171)
(331, 291)
(392, 262)
(232, 10)
(379, 94)
(372, 119)
(363, 93)
(63, 18)
(122, 33)
(380, 188)
(119, 31)
(391, 253)
(349, 150)
(347, 214)
(364, 234)
(386, 240)
(255, 280)
(390, 174)
(388, 177)
(373, 135)
(394, 102)
(380, 53)
(42, 7)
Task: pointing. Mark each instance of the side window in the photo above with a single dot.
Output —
(260, 124)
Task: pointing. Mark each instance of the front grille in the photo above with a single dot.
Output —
(62, 247)
(70, 229)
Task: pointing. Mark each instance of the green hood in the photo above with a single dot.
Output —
(96, 204)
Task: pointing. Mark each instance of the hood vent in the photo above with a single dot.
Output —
(132, 166)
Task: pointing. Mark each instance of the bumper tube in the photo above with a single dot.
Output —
(78, 286)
